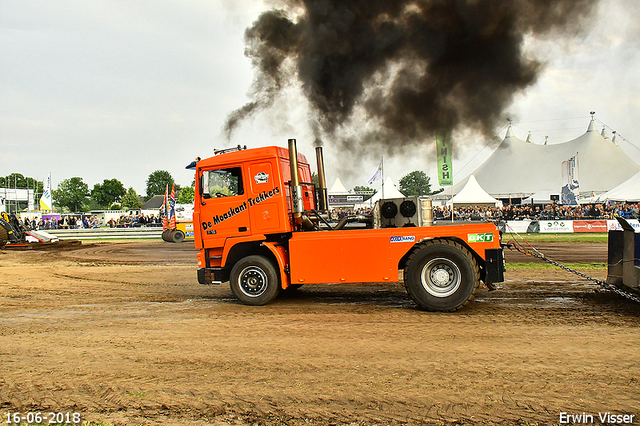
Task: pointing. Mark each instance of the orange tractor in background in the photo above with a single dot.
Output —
(261, 224)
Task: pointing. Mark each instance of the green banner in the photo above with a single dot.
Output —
(444, 151)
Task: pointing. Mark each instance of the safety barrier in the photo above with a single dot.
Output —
(99, 233)
(556, 226)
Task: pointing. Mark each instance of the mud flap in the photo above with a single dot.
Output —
(493, 267)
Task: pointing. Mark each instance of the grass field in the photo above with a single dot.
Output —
(517, 266)
(567, 238)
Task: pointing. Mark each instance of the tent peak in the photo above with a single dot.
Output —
(604, 132)
(592, 124)
(509, 133)
(529, 139)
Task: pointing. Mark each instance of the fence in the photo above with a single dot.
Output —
(566, 226)
(97, 233)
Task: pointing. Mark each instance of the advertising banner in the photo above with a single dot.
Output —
(444, 152)
(519, 226)
(556, 226)
(571, 189)
(614, 225)
(590, 226)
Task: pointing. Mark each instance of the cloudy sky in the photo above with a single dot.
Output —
(117, 89)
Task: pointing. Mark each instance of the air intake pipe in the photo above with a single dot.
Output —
(323, 202)
(296, 189)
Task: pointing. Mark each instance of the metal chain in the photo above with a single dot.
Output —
(605, 285)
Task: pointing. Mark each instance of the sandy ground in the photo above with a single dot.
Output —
(123, 333)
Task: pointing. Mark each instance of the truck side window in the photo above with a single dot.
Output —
(222, 182)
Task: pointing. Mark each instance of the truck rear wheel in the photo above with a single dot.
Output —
(254, 281)
(177, 236)
(441, 275)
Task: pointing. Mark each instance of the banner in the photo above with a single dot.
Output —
(571, 189)
(519, 226)
(590, 226)
(377, 174)
(556, 226)
(444, 151)
(45, 201)
(614, 225)
(165, 209)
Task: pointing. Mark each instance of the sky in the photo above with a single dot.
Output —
(119, 89)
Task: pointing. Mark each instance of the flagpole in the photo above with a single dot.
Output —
(452, 200)
(382, 170)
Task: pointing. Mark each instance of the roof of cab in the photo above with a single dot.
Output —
(249, 155)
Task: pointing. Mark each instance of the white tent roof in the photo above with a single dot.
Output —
(519, 168)
(390, 191)
(628, 190)
(338, 188)
(542, 197)
(473, 194)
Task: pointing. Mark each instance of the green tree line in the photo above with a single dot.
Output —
(74, 195)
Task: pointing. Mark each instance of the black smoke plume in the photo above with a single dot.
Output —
(406, 68)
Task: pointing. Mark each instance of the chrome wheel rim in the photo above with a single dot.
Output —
(253, 281)
(440, 277)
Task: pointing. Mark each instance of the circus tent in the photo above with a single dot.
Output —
(520, 168)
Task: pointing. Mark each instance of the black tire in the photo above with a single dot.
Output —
(254, 281)
(165, 235)
(441, 275)
(177, 236)
(4, 236)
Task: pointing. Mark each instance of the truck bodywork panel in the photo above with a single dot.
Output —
(372, 255)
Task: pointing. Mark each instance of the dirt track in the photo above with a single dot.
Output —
(123, 333)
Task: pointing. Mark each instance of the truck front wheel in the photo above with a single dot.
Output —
(441, 275)
(254, 281)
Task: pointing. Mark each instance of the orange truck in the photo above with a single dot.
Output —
(261, 224)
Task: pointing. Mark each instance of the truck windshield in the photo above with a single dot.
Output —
(222, 182)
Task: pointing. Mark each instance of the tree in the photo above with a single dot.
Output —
(71, 193)
(186, 195)
(158, 181)
(416, 183)
(365, 190)
(16, 180)
(131, 200)
(109, 192)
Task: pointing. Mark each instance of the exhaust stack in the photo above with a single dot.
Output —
(322, 182)
(296, 189)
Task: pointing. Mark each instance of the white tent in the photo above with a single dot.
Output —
(473, 195)
(390, 191)
(542, 197)
(517, 167)
(628, 190)
(338, 188)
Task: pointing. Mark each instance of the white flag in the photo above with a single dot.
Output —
(45, 200)
(376, 175)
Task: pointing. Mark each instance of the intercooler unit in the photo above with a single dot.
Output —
(404, 212)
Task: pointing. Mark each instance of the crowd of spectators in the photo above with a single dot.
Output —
(135, 221)
(522, 212)
(91, 221)
(544, 212)
(64, 222)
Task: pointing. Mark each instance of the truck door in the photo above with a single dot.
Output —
(224, 209)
